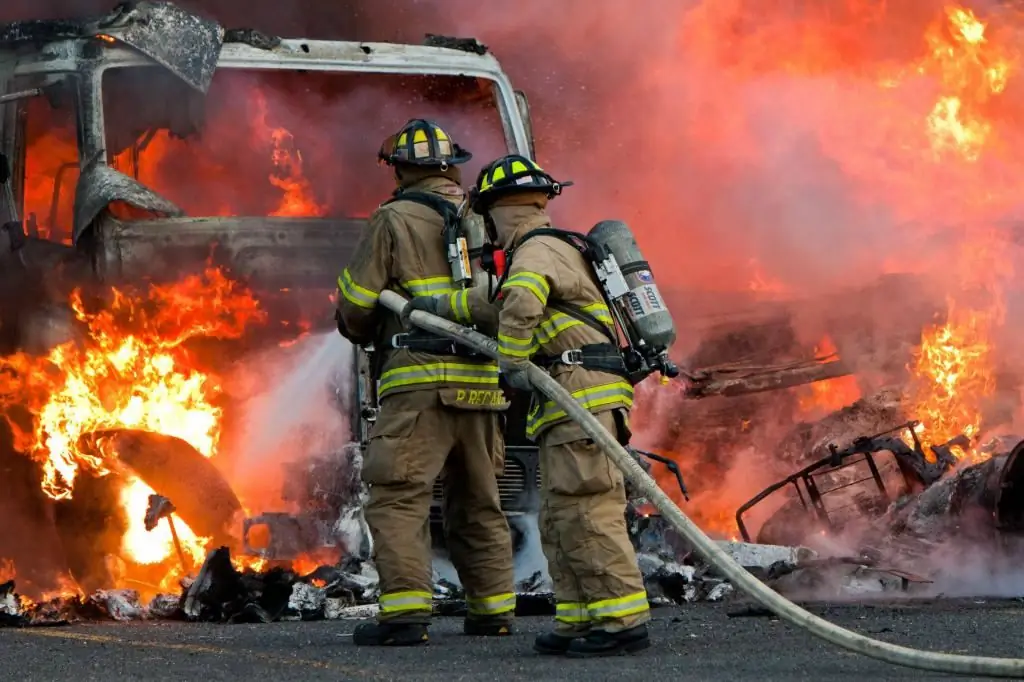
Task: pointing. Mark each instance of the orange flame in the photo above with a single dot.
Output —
(147, 547)
(823, 397)
(288, 176)
(158, 163)
(130, 369)
(764, 284)
(7, 571)
(971, 71)
(953, 368)
(953, 374)
(131, 372)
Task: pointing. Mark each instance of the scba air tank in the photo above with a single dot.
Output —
(476, 236)
(642, 303)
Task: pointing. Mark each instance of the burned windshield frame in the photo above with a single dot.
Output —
(61, 90)
(172, 110)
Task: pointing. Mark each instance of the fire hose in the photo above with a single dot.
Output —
(704, 545)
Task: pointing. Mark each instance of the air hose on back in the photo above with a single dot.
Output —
(705, 546)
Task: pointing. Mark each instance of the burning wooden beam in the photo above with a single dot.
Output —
(733, 382)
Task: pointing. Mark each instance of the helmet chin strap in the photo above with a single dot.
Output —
(490, 227)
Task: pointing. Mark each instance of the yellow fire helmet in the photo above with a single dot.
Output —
(510, 175)
(422, 143)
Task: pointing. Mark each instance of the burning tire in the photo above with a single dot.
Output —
(90, 526)
(176, 470)
(93, 522)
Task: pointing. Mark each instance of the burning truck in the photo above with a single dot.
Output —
(157, 206)
(182, 198)
(178, 199)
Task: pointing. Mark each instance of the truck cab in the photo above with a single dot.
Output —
(150, 142)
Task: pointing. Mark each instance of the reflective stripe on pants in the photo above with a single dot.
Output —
(573, 613)
(621, 607)
(403, 602)
(491, 606)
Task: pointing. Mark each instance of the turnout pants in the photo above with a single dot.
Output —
(416, 437)
(593, 566)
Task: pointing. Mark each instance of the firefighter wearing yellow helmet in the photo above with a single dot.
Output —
(551, 304)
(427, 422)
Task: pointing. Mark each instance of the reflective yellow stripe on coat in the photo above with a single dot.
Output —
(479, 375)
(533, 282)
(556, 323)
(355, 294)
(429, 286)
(611, 395)
(458, 301)
(516, 348)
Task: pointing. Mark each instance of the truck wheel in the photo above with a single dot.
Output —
(176, 470)
(91, 524)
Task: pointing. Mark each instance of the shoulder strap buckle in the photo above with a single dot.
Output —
(572, 357)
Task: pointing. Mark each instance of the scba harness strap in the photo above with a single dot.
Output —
(419, 341)
(599, 357)
(447, 210)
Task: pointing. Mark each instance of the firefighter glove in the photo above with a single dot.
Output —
(428, 304)
(516, 376)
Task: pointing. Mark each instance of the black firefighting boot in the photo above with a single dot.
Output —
(390, 634)
(601, 643)
(554, 643)
(487, 626)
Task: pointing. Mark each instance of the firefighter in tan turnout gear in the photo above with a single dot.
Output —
(550, 307)
(427, 422)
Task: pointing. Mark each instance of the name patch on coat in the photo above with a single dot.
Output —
(488, 398)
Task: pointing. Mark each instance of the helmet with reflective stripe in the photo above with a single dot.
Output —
(511, 174)
(422, 143)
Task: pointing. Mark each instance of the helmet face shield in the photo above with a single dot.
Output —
(422, 143)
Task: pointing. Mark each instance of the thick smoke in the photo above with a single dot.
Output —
(695, 122)
(750, 145)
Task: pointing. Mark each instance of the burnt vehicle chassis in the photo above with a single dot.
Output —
(836, 475)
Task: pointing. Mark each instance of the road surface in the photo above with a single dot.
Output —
(700, 642)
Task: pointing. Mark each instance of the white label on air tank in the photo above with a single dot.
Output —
(645, 300)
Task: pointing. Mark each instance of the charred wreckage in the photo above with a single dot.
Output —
(103, 221)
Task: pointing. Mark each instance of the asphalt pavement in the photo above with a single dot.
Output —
(698, 642)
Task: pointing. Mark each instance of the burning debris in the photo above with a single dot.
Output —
(223, 594)
(329, 492)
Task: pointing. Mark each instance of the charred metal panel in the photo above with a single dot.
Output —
(99, 185)
(43, 31)
(273, 253)
(186, 44)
